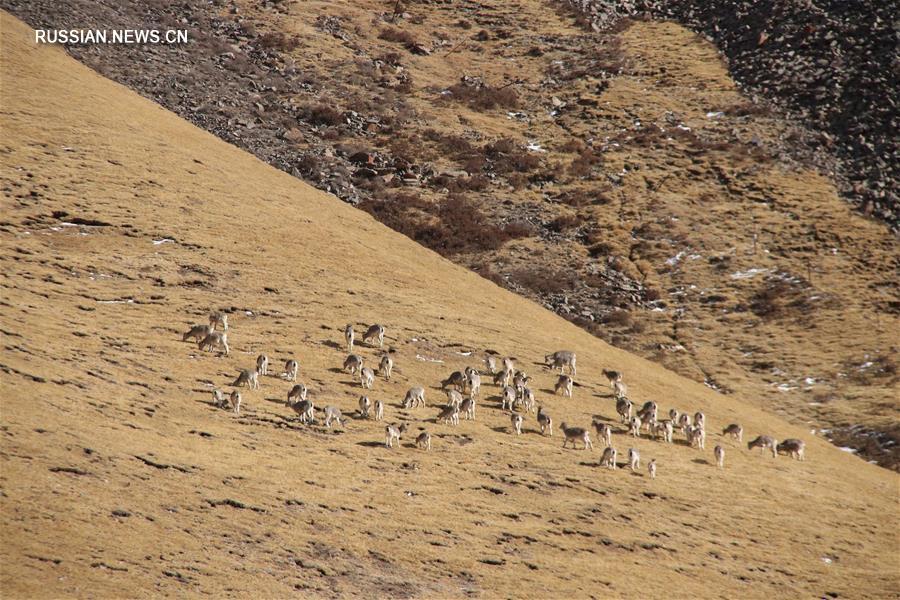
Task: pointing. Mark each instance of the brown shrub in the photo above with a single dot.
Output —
(563, 223)
(321, 114)
(484, 97)
(618, 318)
(543, 280)
(277, 40)
(585, 163)
(392, 34)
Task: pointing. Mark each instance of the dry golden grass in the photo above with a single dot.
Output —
(115, 466)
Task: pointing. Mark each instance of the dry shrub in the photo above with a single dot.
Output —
(398, 36)
(563, 223)
(276, 40)
(747, 108)
(484, 97)
(618, 318)
(321, 114)
(506, 156)
(543, 280)
(585, 163)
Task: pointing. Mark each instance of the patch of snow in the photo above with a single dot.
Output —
(748, 274)
(809, 380)
(128, 301)
(683, 127)
(674, 260)
(163, 241)
(535, 147)
(426, 359)
(715, 115)
(465, 353)
(846, 449)
(784, 387)
(826, 560)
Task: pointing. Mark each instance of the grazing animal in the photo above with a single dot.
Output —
(604, 432)
(467, 407)
(457, 379)
(349, 336)
(262, 364)
(236, 401)
(379, 410)
(608, 459)
(247, 377)
(216, 319)
(393, 432)
(634, 459)
(490, 363)
(197, 332)
(219, 400)
(449, 414)
(374, 332)
(635, 426)
(576, 434)
(564, 383)
(620, 389)
(366, 377)
(719, 453)
(353, 363)
(454, 398)
(562, 359)
(423, 441)
(612, 376)
(545, 421)
(296, 393)
(332, 413)
(364, 406)
(516, 419)
(414, 397)
(735, 431)
(623, 407)
(217, 340)
(651, 468)
(305, 409)
(763, 442)
(386, 366)
(793, 447)
(509, 397)
(291, 368)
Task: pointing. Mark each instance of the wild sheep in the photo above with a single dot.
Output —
(467, 408)
(353, 363)
(649, 411)
(509, 398)
(793, 447)
(516, 419)
(474, 382)
(635, 426)
(612, 376)
(623, 408)
(236, 401)
(296, 393)
(247, 377)
(291, 368)
(562, 359)
(197, 332)
(449, 414)
(215, 340)
(696, 436)
(217, 319)
(609, 457)
(669, 429)
(684, 421)
(762, 442)
(719, 453)
(735, 431)
(700, 420)
(509, 364)
(528, 400)
(423, 441)
(332, 413)
(564, 383)
(490, 363)
(379, 410)
(658, 429)
(414, 397)
(545, 421)
(673, 414)
(651, 468)
(520, 379)
(305, 410)
(634, 459)
(349, 336)
(262, 364)
(364, 406)
(393, 432)
(386, 366)
(454, 398)
(503, 378)
(604, 432)
(457, 379)
(576, 434)
(218, 398)
(620, 389)
(366, 377)
(374, 332)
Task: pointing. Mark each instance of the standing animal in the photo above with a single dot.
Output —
(379, 410)
(634, 459)
(793, 447)
(527, 398)
(197, 332)
(669, 430)
(673, 414)
(236, 401)
(576, 434)
(349, 336)
(564, 383)
(490, 363)
(215, 340)
(735, 431)
(516, 419)
(217, 318)
(635, 426)
(623, 407)
(467, 407)
(449, 414)
(414, 397)
(684, 421)
(545, 421)
(562, 359)
(332, 413)
(457, 379)
(364, 405)
(353, 363)
(651, 468)
(424, 441)
(509, 364)
(763, 442)
(696, 436)
(503, 378)
(649, 411)
(474, 382)
(620, 389)
(305, 410)
(612, 376)
(218, 398)
(608, 459)
(247, 377)
(454, 397)
(604, 432)
(386, 366)
(291, 368)
(262, 364)
(509, 398)
(374, 332)
(366, 377)
(296, 393)
(719, 453)
(700, 420)
(393, 432)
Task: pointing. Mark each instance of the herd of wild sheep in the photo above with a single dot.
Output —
(463, 388)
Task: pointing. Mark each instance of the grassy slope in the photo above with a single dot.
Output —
(90, 385)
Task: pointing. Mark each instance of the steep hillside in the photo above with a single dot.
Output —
(123, 225)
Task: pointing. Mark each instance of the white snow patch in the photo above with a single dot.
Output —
(846, 449)
(128, 301)
(535, 147)
(715, 115)
(674, 260)
(163, 241)
(748, 274)
(426, 359)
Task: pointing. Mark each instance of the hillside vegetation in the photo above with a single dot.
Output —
(123, 225)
